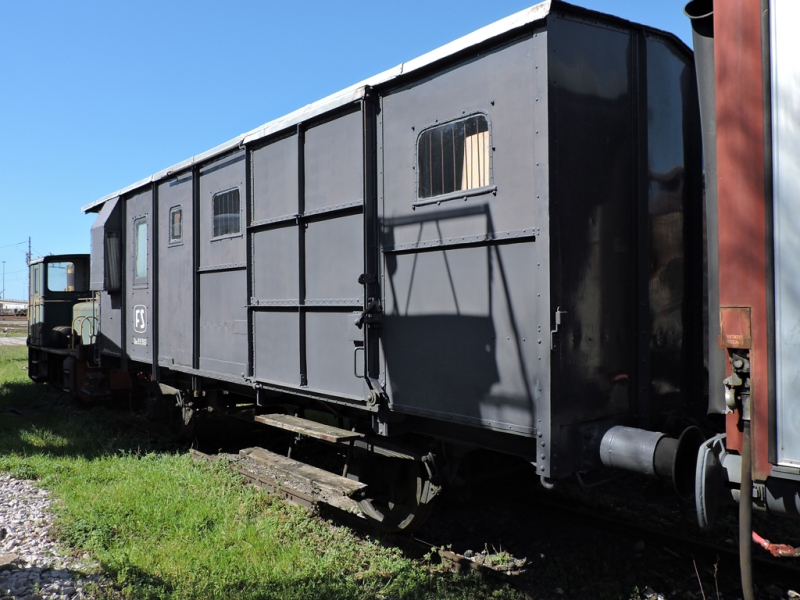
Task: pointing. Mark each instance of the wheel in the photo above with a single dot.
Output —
(398, 493)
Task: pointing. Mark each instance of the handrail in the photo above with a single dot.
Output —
(82, 319)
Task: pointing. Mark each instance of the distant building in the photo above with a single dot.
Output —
(13, 307)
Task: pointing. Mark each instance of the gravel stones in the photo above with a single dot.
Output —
(32, 565)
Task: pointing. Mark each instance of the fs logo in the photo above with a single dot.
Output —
(140, 318)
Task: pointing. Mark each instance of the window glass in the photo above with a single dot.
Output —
(113, 263)
(227, 218)
(140, 243)
(64, 277)
(175, 224)
(453, 157)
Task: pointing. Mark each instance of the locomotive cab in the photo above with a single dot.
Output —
(57, 284)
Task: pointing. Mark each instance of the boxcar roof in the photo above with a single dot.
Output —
(343, 97)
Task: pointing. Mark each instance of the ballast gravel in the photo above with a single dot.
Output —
(33, 566)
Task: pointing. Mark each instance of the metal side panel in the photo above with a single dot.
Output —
(462, 339)
(110, 333)
(333, 163)
(138, 282)
(276, 265)
(223, 322)
(225, 174)
(277, 351)
(107, 220)
(334, 259)
(593, 239)
(785, 16)
(274, 179)
(175, 272)
(466, 326)
(331, 355)
(497, 87)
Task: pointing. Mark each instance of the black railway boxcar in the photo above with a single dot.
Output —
(498, 245)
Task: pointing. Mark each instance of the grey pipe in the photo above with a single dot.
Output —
(654, 454)
(630, 449)
(701, 13)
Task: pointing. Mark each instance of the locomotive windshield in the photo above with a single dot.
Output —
(67, 277)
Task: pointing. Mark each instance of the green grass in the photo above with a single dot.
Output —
(164, 526)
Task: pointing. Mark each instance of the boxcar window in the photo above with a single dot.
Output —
(453, 157)
(175, 224)
(140, 250)
(227, 217)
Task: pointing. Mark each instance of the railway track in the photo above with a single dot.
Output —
(318, 490)
(342, 507)
(12, 326)
(509, 513)
(667, 539)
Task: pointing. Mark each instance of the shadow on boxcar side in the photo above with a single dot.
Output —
(443, 345)
(453, 345)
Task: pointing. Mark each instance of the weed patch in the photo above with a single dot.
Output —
(165, 527)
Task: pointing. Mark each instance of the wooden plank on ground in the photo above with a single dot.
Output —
(313, 476)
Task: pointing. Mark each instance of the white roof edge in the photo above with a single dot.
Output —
(346, 96)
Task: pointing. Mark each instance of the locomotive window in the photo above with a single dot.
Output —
(453, 157)
(66, 277)
(57, 278)
(175, 224)
(140, 251)
(227, 216)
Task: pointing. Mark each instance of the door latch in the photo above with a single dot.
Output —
(371, 314)
(559, 312)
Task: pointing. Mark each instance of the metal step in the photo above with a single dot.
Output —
(300, 476)
(309, 428)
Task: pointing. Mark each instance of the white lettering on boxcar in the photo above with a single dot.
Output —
(140, 318)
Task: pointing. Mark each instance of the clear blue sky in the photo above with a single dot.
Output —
(97, 95)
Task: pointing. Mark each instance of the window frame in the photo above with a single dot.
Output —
(139, 281)
(225, 236)
(112, 261)
(174, 241)
(48, 277)
(37, 268)
(457, 194)
(80, 275)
